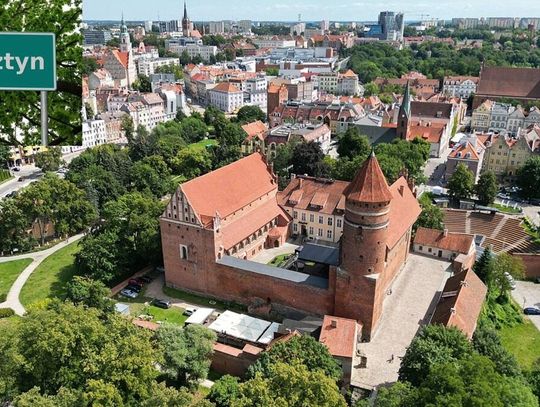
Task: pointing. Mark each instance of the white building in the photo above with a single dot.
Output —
(99, 79)
(226, 97)
(244, 26)
(275, 42)
(93, 133)
(298, 28)
(147, 66)
(216, 27)
(460, 86)
(148, 25)
(205, 52)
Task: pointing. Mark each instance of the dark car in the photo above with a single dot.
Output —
(161, 304)
(531, 311)
(16, 169)
(145, 279)
(135, 281)
(133, 287)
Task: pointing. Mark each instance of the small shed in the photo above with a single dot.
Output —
(121, 308)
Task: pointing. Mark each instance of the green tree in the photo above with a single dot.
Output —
(528, 178)
(224, 154)
(232, 135)
(142, 84)
(434, 344)
(128, 127)
(184, 58)
(487, 342)
(249, 113)
(307, 158)
(74, 348)
(5, 155)
(22, 108)
(483, 267)
(224, 391)
(151, 174)
(487, 187)
(193, 129)
(504, 265)
(14, 223)
(192, 162)
(303, 349)
(172, 68)
(99, 257)
(49, 160)
(400, 394)
(59, 201)
(352, 144)
(371, 89)
(91, 293)
(431, 216)
(187, 352)
(533, 378)
(291, 385)
(272, 71)
(461, 183)
(89, 65)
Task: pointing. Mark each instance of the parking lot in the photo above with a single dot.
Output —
(527, 294)
(415, 293)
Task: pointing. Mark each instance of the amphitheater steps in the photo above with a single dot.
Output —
(499, 226)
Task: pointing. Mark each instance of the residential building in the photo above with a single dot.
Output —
(114, 131)
(244, 26)
(255, 135)
(100, 79)
(146, 110)
(469, 152)
(226, 97)
(147, 66)
(275, 42)
(216, 27)
(481, 116)
(319, 133)
(325, 25)
(460, 86)
(275, 95)
(316, 206)
(94, 133)
(297, 29)
(210, 242)
(346, 83)
(336, 42)
(499, 117)
(96, 37)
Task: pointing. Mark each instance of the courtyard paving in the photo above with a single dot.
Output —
(414, 294)
(527, 294)
(267, 255)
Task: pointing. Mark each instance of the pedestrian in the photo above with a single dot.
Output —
(392, 358)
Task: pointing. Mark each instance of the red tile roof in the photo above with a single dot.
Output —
(404, 210)
(509, 82)
(226, 87)
(123, 57)
(455, 242)
(464, 149)
(339, 335)
(255, 129)
(461, 302)
(369, 183)
(231, 187)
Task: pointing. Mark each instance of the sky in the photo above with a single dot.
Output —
(311, 10)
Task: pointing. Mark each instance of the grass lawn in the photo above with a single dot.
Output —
(8, 274)
(200, 145)
(279, 259)
(507, 209)
(50, 278)
(203, 301)
(523, 341)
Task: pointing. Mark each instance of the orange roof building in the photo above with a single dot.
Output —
(216, 226)
(443, 244)
(461, 302)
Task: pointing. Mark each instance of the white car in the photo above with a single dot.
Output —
(128, 293)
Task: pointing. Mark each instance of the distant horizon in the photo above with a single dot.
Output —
(310, 10)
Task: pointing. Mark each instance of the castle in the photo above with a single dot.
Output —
(214, 225)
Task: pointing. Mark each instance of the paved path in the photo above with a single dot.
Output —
(527, 294)
(415, 293)
(12, 299)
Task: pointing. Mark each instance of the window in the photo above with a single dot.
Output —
(303, 217)
(338, 223)
(329, 234)
(183, 252)
(311, 217)
(420, 248)
(429, 249)
(319, 233)
(329, 221)
(321, 220)
(295, 215)
(295, 227)
(311, 230)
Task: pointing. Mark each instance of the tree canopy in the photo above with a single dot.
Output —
(528, 178)
(461, 183)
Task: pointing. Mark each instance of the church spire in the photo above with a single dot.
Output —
(185, 11)
(406, 103)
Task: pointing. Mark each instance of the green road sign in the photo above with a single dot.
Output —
(27, 61)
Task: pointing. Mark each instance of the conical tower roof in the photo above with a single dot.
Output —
(369, 184)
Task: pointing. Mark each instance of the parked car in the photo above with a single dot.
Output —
(531, 311)
(128, 293)
(189, 311)
(161, 303)
(16, 169)
(145, 279)
(135, 281)
(21, 179)
(133, 287)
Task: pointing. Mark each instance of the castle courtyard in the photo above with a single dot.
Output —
(414, 295)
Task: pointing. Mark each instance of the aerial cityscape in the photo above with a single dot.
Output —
(269, 204)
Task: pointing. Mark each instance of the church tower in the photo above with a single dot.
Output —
(125, 41)
(404, 115)
(359, 293)
(186, 24)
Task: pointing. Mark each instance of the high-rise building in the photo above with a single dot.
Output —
(392, 25)
(148, 25)
(216, 27)
(325, 25)
(96, 37)
(244, 26)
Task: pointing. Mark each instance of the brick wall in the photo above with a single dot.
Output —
(531, 262)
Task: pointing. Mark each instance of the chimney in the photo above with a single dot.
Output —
(445, 232)
(300, 182)
(333, 323)
(401, 189)
(452, 310)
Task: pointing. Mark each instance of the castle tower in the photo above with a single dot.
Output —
(186, 24)
(125, 41)
(404, 115)
(363, 247)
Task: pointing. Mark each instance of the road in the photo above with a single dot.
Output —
(527, 294)
(30, 173)
(12, 299)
